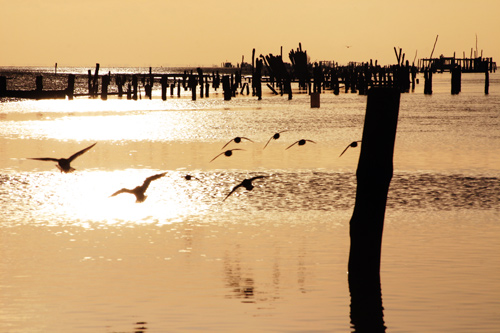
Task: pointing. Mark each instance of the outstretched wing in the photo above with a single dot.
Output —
(268, 142)
(246, 138)
(123, 190)
(257, 177)
(75, 155)
(234, 189)
(44, 159)
(292, 144)
(216, 157)
(150, 179)
(345, 150)
(227, 143)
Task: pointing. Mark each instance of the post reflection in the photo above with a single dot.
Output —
(367, 311)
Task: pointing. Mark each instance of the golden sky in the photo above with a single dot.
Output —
(205, 33)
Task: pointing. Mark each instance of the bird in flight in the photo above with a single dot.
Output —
(140, 190)
(236, 140)
(226, 153)
(276, 136)
(300, 143)
(189, 177)
(247, 184)
(63, 164)
(353, 144)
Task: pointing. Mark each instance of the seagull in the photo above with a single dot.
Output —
(227, 153)
(353, 144)
(63, 164)
(247, 183)
(301, 142)
(236, 140)
(276, 136)
(189, 177)
(140, 190)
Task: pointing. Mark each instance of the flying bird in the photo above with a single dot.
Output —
(63, 164)
(227, 153)
(300, 143)
(247, 184)
(236, 140)
(189, 177)
(140, 190)
(353, 144)
(276, 136)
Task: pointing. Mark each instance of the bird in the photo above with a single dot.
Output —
(247, 184)
(189, 177)
(300, 143)
(353, 144)
(276, 136)
(236, 140)
(139, 191)
(63, 164)
(227, 153)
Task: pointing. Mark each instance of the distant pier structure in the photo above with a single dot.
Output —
(468, 65)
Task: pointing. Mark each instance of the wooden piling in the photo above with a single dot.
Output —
(456, 80)
(486, 82)
(134, 87)
(39, 83)
(71, 86)
(104, 87)
(226, 87)
(374, 174)
(428, 82)
(164, 85)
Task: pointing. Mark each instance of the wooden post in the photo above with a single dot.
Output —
(207, 87)
(456, 78)
(39, 83)
(200, 80)
(179, 88)
(374, 174)
(3, 85)
(71, 86)
(428, 81)
(95, 82)
(226, 87)
(104, 88)
(134, 87)
(486, 81)
(164, 84)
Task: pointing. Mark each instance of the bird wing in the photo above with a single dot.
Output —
(234, 189)
(257, 177)
(75, 155)
(123, 190)
(345, 149)
(216, 157)
(227, 143)
(292, 144)
(44, 159)
(268, 142)
(150, 179)
(246, 138)
(311, 141)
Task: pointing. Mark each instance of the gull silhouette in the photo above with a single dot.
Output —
(189, 177)
(236, 140)
(247, 184)
(63, 164)
(140, 190)
(353, 144)
(300, 143)
(227, 153)
(276, 136)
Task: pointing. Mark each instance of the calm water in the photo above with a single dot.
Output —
(271, 259)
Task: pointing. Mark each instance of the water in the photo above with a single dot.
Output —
(271, 259)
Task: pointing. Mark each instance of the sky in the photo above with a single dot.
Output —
(207, 33)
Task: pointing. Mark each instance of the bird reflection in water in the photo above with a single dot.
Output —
(140, 190)
(63, 164)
